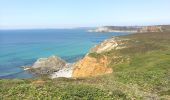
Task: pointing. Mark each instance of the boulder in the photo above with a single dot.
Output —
(47, 65)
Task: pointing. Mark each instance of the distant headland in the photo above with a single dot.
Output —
(134, 29)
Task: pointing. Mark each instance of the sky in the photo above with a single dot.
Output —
(19, 14)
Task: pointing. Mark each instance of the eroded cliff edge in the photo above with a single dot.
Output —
(96, 62)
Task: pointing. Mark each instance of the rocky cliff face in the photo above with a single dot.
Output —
(107, 45)
(91, 66)
(51, 65)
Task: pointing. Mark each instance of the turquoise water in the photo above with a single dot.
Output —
(23, 47)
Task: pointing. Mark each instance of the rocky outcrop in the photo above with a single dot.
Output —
(89, 66)
(109, 44)
(93, 66)
(52, 62)
(51, 65)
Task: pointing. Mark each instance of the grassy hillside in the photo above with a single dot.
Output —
(140, 71)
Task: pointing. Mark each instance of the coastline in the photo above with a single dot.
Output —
(133, 29)
(111, 31)
(68, 69)
(136, 58)
(24, 47)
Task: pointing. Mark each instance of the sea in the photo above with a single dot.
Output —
(23, 47)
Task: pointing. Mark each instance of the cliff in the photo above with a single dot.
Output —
(139, 64)
(91, 66)
(133, 29)
(108, 44)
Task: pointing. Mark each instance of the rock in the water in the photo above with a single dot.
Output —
(48, 65)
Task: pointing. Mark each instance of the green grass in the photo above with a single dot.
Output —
(141, 71)
(151, 69)
(59, 89)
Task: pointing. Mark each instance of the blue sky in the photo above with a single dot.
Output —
(82, 13)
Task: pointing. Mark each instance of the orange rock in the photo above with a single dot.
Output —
(89, 66)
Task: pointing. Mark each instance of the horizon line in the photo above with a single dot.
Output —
(43, 28)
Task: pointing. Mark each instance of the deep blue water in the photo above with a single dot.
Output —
(23, 47)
